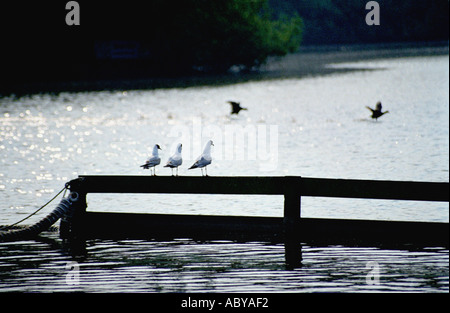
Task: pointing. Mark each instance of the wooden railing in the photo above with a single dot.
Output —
(292, 187)
(96, 224)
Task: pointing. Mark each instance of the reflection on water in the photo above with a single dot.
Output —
(187, 266)
(323, 130)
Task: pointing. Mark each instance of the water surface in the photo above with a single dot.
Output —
(322, 130)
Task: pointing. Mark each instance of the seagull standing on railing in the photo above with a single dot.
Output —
(204, 159)
(175, 160)
(153, 160)
(376, 113)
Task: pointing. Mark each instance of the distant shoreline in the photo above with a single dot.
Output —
(309, 61)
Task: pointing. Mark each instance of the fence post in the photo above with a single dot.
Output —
(71, 226)
(291, 221)
(292, 199)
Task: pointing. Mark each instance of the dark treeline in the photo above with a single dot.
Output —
(215, 35)
(136, 39)
(343, 22)
(141, 38)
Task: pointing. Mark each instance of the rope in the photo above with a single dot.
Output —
(62, 209)
(12, 225)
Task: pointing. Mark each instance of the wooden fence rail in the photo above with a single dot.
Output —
(273, 185)
(291, 225)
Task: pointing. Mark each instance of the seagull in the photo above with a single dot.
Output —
(153, 160)
(204, 159)
(175, 160)
(377, 112)
(235, 107)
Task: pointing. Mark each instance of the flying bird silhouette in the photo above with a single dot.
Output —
(236, 107)
(376, 113)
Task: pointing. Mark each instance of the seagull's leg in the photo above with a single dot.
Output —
(177, 170)
(201, 169)
(206, 171)
(171, 170)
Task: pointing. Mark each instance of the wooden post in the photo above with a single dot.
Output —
(292, 207)
(292, 191)
(291, 220)
(71, 227)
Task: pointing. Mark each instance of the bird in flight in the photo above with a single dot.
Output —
(376, 113)
(236, 107)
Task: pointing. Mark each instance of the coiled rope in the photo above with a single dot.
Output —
(6, 227)
(64, 208)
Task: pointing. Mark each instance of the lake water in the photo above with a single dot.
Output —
(314, 126)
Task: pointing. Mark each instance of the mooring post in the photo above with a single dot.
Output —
(71, 226)
(291, 221)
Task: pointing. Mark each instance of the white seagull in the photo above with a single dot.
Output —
(175, 160)
(153, 160)
(204, 159)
